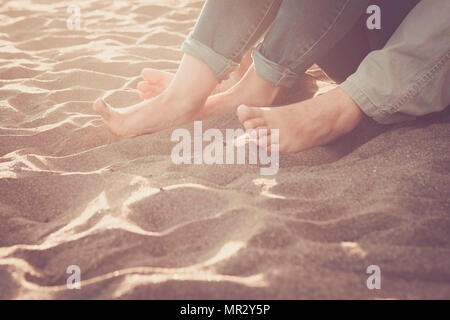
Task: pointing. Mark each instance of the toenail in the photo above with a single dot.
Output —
(242, 107)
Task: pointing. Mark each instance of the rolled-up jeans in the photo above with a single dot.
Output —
(297, 34)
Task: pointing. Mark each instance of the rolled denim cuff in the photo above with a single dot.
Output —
(380, 114)
(221, 66)
(275, 73)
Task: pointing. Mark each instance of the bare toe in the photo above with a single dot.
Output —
(253, 123)
(143, 86)
(103, 109)
(146, 95)
(246, 113)
(154, 76)
(264, 138)
(147, 91)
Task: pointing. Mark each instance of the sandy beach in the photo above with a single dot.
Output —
(141, 227)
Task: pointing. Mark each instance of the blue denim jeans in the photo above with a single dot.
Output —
(297, 33)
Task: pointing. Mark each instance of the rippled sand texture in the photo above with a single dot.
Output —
(139, 226)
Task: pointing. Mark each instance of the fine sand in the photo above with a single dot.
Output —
(140, 226)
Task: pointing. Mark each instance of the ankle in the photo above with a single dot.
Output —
(272, 93)
(349, 112)
(264, 89)
(265, 94)
(179, 101)
(257, 92)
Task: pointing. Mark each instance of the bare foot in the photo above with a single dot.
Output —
(146, 117)
(156, 81)
(251, 89)
(178, 104)
(308, 123)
